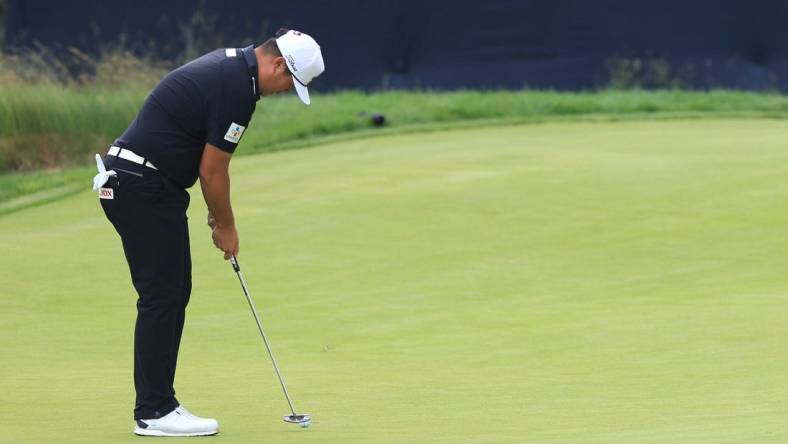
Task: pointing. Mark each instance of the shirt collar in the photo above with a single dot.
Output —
(251, 64)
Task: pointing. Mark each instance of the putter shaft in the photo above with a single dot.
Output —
(237, 269)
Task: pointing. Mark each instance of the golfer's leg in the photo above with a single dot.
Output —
(181, 315)
(154, 246)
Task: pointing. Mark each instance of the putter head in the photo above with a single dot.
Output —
(297, 419)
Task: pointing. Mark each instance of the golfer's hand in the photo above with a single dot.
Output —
(226, 239)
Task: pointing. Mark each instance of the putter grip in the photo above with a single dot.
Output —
(234, 261)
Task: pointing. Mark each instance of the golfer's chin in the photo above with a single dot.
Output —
(276, 93)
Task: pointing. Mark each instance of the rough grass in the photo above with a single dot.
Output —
(83, 119)
(21, 190)
(48, 125)
(53, 116)
(284, 121)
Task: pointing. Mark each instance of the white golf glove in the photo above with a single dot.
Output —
(103, 175)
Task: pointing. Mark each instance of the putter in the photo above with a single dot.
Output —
(303, 420)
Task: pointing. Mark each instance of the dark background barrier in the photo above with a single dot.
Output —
(442, 44)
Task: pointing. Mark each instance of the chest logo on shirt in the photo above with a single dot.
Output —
(234, 133)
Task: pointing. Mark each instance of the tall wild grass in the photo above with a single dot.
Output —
(51, 118)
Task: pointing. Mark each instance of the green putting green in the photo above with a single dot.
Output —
(564, 282)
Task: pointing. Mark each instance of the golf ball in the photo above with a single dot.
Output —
(305, 424)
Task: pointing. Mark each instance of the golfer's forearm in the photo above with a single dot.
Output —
(216, 191)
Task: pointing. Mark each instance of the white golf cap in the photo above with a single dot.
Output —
(303, 57)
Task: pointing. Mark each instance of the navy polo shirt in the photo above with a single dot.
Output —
(208, 100)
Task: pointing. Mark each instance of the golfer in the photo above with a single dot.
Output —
(188, 128)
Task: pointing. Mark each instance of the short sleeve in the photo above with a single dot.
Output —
(229, 114)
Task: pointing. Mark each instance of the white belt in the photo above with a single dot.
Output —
(129, 155)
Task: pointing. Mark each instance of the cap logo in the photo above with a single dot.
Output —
(291, 60)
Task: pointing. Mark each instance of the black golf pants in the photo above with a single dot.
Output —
(149, 213)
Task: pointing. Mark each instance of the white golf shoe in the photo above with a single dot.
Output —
(178, 422)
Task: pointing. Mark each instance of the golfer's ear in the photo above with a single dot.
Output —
(214, 161)
(281, 65)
